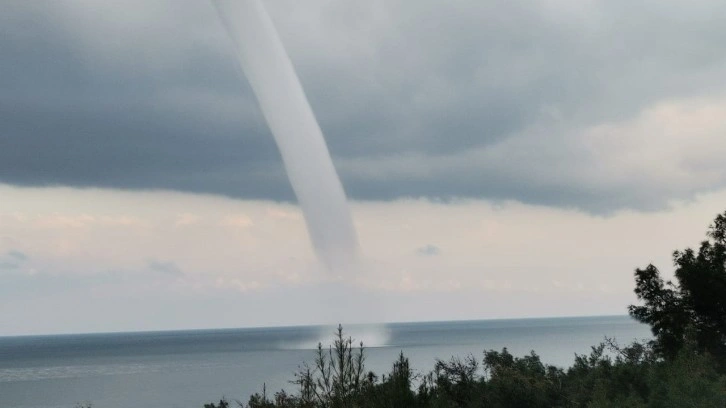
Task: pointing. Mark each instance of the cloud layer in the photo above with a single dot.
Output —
(594, 105)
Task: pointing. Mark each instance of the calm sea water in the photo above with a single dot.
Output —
(189, 368)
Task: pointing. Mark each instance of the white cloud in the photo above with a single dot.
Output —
(237, 221)
(185, 219)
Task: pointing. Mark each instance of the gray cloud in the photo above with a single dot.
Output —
(17, 255)
(12, 260)
(7, 266)
(428, 250)
(166, 268)
(424, 99)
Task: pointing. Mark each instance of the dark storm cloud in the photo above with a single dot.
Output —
(442, 100)
(68, 118)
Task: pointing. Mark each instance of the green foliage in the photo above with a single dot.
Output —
(693, 309)
(598, 380)
(223, 403)
(610, 376)
(522, 382)
(337, 377)
(689, 380)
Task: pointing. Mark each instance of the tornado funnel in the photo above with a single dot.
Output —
(297, 134)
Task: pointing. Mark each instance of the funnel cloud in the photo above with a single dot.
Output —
(296, 131)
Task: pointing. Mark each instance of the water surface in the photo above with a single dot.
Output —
(188, 368)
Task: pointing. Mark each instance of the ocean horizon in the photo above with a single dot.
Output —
(186, 368)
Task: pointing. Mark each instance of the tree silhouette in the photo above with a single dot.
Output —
(692, 311)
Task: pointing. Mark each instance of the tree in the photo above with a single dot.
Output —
(693, 309)
(223, 403)
(630, 377)
(337, 377)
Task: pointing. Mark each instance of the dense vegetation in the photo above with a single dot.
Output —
(684, 366)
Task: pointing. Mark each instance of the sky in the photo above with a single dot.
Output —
(502, 159)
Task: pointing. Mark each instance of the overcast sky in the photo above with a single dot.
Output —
(504, 159)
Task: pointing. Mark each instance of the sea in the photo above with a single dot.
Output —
(192, 367)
